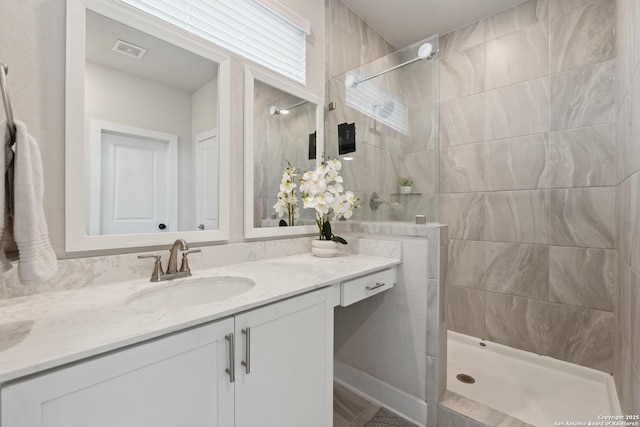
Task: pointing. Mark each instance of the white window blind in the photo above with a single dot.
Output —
(244, 27)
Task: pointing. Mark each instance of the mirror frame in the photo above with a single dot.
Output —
(76, 198)
(250, 75)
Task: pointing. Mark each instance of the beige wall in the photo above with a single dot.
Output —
(626, 366)
(527, 176)
(33, 45)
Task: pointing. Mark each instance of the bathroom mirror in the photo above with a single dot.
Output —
(147, 143)
(283, 124)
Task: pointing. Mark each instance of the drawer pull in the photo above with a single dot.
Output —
(376, 286)
(232, 355)
(247, 363)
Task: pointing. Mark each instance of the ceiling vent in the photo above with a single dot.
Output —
(129, 49)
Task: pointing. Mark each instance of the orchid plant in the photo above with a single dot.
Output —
(321, 189)
(287, 201)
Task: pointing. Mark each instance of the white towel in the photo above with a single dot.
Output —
(38, 261)
(5, 265)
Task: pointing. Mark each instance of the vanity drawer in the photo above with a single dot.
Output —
(363, 287)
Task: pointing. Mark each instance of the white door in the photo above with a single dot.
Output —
(289, 353)
(134, 176)
(207, 173)
(179, 380)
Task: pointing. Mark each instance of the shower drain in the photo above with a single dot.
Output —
(467, 379)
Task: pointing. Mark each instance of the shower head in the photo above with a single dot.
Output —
(385, 109)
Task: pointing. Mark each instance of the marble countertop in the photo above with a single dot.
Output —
(51, 329)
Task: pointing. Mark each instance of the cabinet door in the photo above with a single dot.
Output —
(178, 380)
(290, 358)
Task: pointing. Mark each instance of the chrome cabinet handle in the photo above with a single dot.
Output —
(247, 364)
(232, 355)
(376, 286)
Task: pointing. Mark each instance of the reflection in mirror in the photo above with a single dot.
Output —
(148, 137)
(145, 123)
(284, 128)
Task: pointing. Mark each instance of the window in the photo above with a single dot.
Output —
(245, 27)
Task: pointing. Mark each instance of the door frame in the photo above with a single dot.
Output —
(95, 173)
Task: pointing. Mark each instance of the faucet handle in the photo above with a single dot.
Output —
(184, 267)
(157, 267)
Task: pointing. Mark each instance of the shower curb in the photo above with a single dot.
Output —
(459, 411)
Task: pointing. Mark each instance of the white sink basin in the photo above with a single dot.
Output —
(190, 292)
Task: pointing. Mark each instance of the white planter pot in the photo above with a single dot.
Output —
(406, 189)
(324, 248)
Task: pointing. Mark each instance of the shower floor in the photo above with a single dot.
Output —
(536, 389)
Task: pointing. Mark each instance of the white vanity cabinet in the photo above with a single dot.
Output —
(283, 366)
(287, 376)
(177, 380)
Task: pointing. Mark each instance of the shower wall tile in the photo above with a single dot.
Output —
(516, 18)
(582, 277)
(462, 169)
(519, 163)
(464, 214)
(466, 264)
(462, 121)
(623, 223)
(582, 97)
(464, 38)
(623, 146)
(634, 119)
(582, 217)
(517, 216)
(462, 73)
(581, 335)
(517, 322)
(634, 318)
(560, 7)
(516, 269)
(583, 36)
(582, 157)
(465, 311)
(422, 167)
(517, 110)
(516, 57)
(633, 221)
(624, 47)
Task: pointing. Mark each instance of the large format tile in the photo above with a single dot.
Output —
(581, 335)
(583, 36)
(462, 121)
(516, 18)
(463, 38)
(583, 277)
(517, 322)
(465, 311)
(519, 163)
(634, 329)
(466, 264)
(582, 97)
(462, 169)
(516, 269)
(516, 57)
(462, 73)
(517, 110)
(633, 221)
(560, 7)
(464, 214)
(582, 217)
(517, 216)
(582, 157)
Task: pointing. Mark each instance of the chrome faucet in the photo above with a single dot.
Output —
(172, 266)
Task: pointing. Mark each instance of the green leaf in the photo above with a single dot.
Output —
(339, 240)
(326, 230)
